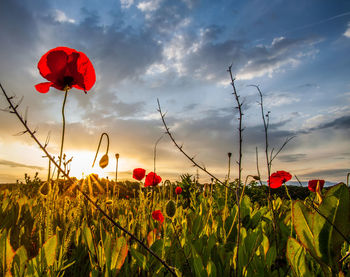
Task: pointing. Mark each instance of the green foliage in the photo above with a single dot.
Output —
(323, 230)
(58, 234)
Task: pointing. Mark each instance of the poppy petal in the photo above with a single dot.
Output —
(84, 67)
(66, 67)
(43, 87)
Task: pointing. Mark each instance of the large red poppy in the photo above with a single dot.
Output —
(152, 179)
(65, 68)
(157, 215)
(139, 173)
(313, 184)
(278, 178)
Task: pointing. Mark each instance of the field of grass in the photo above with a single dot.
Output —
(49, 230)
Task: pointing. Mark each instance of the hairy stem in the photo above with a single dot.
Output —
(63, 131)
(167, 131)
(240, 130)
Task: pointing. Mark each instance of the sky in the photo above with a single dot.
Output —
(297, 52)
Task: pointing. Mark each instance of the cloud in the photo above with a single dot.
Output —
(342, 123)
(61, 17)
(14, 164)
(148, 6)
(347, 31)
(277, 99)
(126, 4)
(291, 158)
(327, 173)
(281, 54)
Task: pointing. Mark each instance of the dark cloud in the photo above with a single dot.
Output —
(117, 51)
(342, 123)
(14, 164)
(291, 158)
(328, 173)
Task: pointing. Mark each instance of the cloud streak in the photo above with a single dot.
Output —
(14, 164)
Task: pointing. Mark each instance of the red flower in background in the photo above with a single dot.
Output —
(139, 173)
(178, 190)
(313, 184)
(152, 179)
(157, 215)
(65, 68)
(278, 178)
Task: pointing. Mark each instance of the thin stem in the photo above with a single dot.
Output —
(266, 121)
(31, 133)
(291, 209)
(167, 131)
(155, 155)
(99, 144)
(240, 129)
(116, 168)
(63, 130)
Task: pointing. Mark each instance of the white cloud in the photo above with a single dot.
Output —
(275, 58)
(347, 32)
(156, 68)
(61, 17)
(279, 99)
(125, 4)
(249, 71)
(148, 6)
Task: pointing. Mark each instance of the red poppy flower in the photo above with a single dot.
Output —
(313, 184)
(65, 68)
(157, 215)
(178, 190)
(138, 173)
(278, 178)
(152, 179)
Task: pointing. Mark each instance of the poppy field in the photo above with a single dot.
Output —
(94, 226)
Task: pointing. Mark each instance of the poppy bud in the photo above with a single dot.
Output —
(45, 189)
(117, 156)
(170, 208)
(229, 154)
(256, 178)
(104, 161)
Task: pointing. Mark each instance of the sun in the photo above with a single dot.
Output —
(81, 165)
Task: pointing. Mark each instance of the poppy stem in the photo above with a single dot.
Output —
(63, 131)
(98, 147)
(291, 210)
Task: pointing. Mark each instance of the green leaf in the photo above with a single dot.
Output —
(49, 249)
(271, 256)
(296, 258)
(21, 256)
(87, 235)
(197, 263)
(141, 260)
(6, 253)
(211, 269)
(318, 235)
(120, 251)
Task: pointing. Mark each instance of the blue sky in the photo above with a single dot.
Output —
(179, 51)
